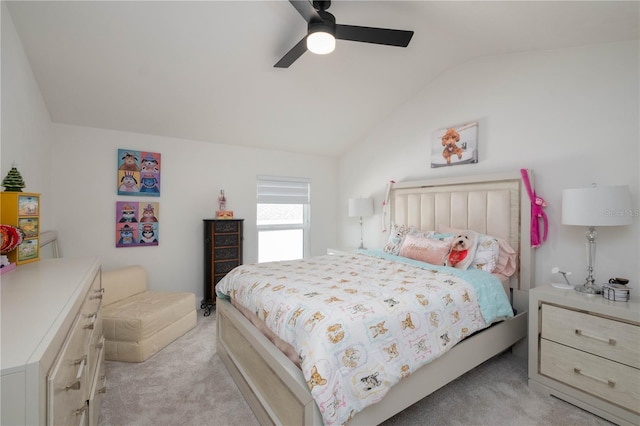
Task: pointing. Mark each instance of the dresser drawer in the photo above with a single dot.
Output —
(226, 253)
(608, 338)
(224, 266)
(96, 344)
(93, 299)
(614, 382)
(224, 226)
(67, 380)
(98, 389)
(224, 240)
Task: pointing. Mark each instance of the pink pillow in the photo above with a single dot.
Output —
(425, 249)
(506, 259)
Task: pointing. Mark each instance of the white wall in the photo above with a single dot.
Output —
(26, 126)
(74, 169)
(193, 173)
(571, 115)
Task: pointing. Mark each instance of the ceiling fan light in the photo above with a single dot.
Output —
(321, 42)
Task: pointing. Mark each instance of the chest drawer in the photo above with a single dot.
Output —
(612, 381)
(226, 226)
(608, 338)
(67, 380)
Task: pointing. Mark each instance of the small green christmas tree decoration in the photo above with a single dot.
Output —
(13, 181)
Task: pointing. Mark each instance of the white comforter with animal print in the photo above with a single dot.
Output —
(360, 324)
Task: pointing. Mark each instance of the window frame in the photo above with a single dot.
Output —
(278, 195)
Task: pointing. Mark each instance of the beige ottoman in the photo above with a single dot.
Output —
(137, 322)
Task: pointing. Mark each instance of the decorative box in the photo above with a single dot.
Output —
(224, 214)
(617, 292)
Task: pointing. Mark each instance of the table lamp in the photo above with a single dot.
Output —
(359, 207)
(591, 207)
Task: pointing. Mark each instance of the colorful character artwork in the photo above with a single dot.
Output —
(138, 173)
(137, 224)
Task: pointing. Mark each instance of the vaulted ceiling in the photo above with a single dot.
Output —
(203, 70)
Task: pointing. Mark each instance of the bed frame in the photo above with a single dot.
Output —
(496, 205)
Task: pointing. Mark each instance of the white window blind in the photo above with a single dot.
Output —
(283, 190)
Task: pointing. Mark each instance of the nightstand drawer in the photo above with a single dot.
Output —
(614, 382)
(615, 340)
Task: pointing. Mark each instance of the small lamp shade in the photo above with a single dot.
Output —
(597, 206)
(359, 207)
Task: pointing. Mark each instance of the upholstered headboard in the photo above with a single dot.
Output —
(495, 205)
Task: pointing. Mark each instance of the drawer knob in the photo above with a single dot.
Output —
(97, 296)
(75, 386)
(608, 382)
(102, 389)
(80, 411)
(606, 340)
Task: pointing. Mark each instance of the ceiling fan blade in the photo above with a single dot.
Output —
(306, 9)
(293, 54)
(384, 36)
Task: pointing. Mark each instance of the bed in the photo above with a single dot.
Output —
(496, 205)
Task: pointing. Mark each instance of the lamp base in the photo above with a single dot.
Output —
(588, 289)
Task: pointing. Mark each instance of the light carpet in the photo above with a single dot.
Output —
(187, 384)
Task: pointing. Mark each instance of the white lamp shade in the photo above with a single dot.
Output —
(321, 43)
(597, 206)
(360, 207)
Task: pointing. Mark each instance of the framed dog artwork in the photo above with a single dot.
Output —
(455, 145)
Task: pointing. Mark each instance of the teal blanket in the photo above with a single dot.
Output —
(493, 301)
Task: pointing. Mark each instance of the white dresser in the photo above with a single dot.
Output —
(52, 344)
(585, 349)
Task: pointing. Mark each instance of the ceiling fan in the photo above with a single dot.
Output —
(322, 32)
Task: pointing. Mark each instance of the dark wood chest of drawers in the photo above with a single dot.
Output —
(222, 253)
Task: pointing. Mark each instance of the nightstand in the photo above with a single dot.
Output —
(585, 349)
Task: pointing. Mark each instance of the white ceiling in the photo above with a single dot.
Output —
(203, 70)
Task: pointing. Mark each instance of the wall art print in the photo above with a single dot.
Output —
(138, 173)
(137, 224)
(455, 145)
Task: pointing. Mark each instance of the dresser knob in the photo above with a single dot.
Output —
(606, 340)
(80, 411)
(608, 382)
(75, 385)
(102, 389)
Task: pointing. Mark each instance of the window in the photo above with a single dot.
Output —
(282, 218)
